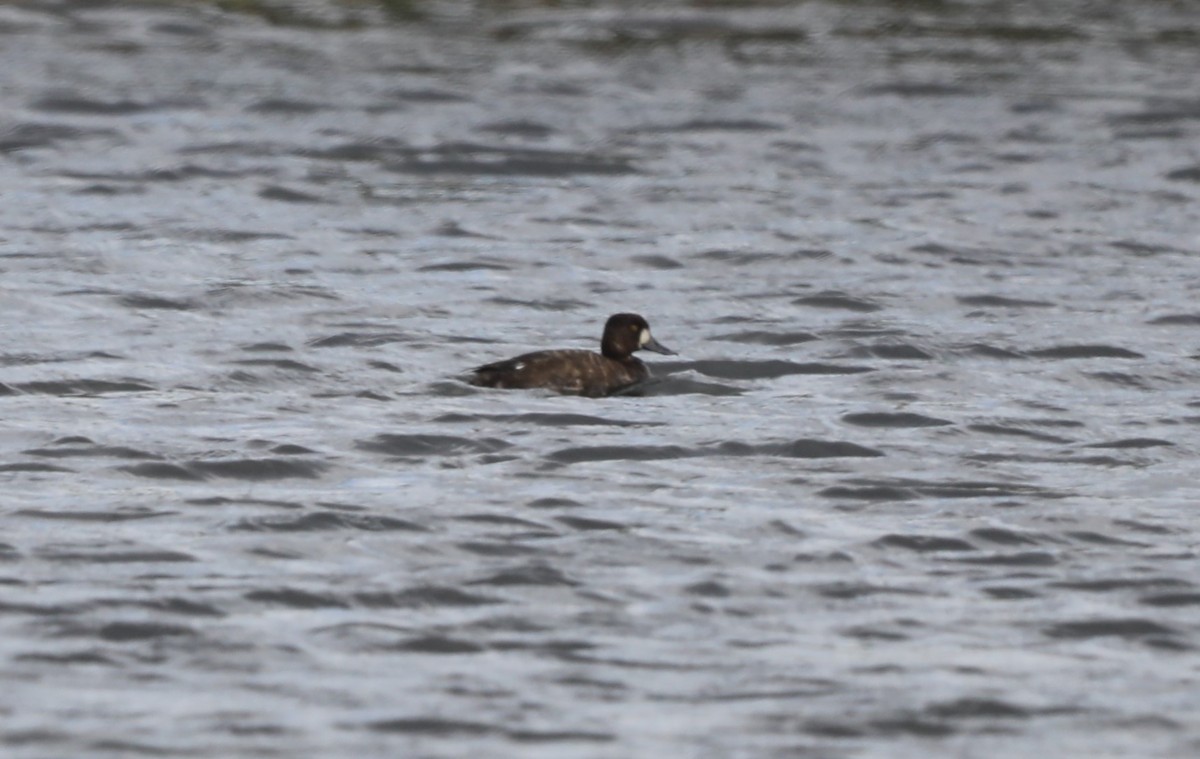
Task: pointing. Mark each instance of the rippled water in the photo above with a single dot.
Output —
(921, 482)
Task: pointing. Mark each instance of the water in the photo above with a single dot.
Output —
(921, 482)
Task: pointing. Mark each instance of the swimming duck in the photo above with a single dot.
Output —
(580, 372)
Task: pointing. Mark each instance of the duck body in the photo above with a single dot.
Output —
(579, 372)
(571, 372)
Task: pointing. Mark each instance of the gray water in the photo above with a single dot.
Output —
(921, 481)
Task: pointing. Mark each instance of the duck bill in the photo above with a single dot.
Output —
(657, 347)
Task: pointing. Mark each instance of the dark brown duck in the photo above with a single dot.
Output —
(580, 372)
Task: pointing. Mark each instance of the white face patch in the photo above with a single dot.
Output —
(644, 337)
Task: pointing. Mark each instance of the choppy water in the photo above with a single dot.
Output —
(922, 481)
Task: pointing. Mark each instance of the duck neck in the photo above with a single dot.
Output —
(611, 350)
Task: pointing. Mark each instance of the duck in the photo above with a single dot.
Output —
(580, 372)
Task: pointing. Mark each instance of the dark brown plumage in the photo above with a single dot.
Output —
(580, 372)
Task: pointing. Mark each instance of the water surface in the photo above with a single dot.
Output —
(920, 482)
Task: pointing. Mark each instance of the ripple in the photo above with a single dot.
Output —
(115, 555)
(1084, 351)
(741, 257)
(439, 644)
(1009, 431)
(1171, 599)
(614, 32)
(83, 387)
(546, 419)
(285, 106)
(1019, 559)
(41, 135)
(869, 493)
(1189, 320)
(70, 658)
(324, 520)
(550, 304)
(1006, 593)
(33, 466)
(422, 596)
(763, 337)
(520, 128)
(976, 708)
(903, 489)
(294, 598)
(894, 420)
(708, 589)
(801, 449)
(1088, 536)
(1107, 585)
(621, 453)
(1186, 174)
(477, 264)
(919, 90)
(128, 632)
(674, 385)
(356, 339)
(1006, 537)
(429, 95)
(282, 364)
(81, 105)
(991, 351)
(1123, 627)
(436, 726)
(288, 195)
(495, 548)
(90, 450)
(259, 469)
(712, 125)
(180, 173)
(529, 575)
(817, 449)
(838, 300)
(849, 591)
(556, 736)
(897, 352)
(1134, 442)
(751, 370)
(142, 301)
(587, 524)
(924, 543)
(239, 469)
(430, 445)
(120, 515)
(662, 263)
(1000, 301)
(470, 159)
(163, 471)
